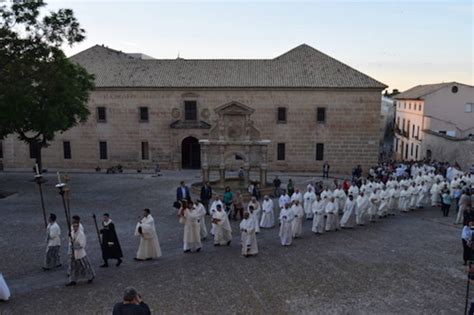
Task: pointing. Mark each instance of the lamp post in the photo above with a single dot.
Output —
(40, 181)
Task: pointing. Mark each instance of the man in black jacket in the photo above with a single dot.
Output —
(206, 195)
(132, 304)
(110, 245)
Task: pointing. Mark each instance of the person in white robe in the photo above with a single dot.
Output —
(353, 190)
(149, 247)
(309, 198)
(190, 217)
(435, 193)
(319, 212)
(256, 213)
(286, 231)
(222, 229)
(201, 210)
(394, 194)
(253, 216)
(413, 191)
(217, 201)
(404, 200)
(297, 196)
(422, 195)
(348, 219)
(248, 237)
(268, 217)
(384, 201)
(80, 267)
(283, 200)
(374, 205)
(53, 244)
(297, 223)
(362, 208)
(331, 212)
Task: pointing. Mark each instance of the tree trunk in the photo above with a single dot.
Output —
(37, 148)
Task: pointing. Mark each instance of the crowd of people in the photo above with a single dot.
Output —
(389, 188)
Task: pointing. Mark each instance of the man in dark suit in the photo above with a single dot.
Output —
(206, 195)
(182, 193)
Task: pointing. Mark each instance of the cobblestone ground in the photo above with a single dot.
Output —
(407, 264)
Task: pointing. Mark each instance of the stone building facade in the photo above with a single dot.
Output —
(310, 106)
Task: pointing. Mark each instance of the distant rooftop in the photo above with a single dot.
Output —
(301, 67)
(420, 91)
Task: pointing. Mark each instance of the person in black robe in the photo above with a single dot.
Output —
(110, 244)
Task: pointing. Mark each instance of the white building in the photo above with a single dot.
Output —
(429, 112)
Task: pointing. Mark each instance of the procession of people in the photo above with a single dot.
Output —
(387, 190)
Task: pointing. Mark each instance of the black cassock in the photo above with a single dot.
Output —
(110, 244)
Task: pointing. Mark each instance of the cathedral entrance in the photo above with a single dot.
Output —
(190, 153)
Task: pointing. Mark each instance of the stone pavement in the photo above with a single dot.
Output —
(407, 264)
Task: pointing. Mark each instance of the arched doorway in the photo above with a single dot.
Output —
(190, 153)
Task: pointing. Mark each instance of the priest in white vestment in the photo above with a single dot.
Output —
(319, 213)
(201, 210)
(80, 267)
(222, 229)
(362, 208)
(149, 245)
(217, 201)
(248, 236)
(348, 219)
(286, 232)
(413, 191)
(255, 213)
(374, 205)
(404, 199)
(283, 200)
(297, 196)
(435, 193)
(190, 217)
(309, 198)
(297, 223)
(331, 213)
(268, 217)
(384, 201)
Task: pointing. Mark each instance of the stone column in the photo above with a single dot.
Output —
(222, 166)
(205, 163)
(263, 177)
(246, 175)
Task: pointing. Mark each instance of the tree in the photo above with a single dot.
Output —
(41, 91)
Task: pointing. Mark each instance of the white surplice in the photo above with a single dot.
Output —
(248, 237)
(149, 244)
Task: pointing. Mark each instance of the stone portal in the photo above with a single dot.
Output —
(233, 140)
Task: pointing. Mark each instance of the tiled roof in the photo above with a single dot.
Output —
(419, 91)
(301, 67)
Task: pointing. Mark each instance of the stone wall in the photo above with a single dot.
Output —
(452, 150)
(350, 133)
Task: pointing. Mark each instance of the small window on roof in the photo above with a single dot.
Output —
(454, 89)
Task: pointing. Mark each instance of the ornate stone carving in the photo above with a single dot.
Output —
(175, 113)
(205, 113)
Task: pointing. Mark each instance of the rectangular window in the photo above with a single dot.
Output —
(408, 129)
(419, 107)
(190, 110)
(411, 149)
(281, 116)
(403, 129)
(32, 151)
(416, 153)
(398, 122)
(101, 114)
(143, 114)
(103, 150)
(409, 106)
(396, 144)
(145, 151)
(280, 151)
(468, 108)
(319, 151)
(67, 150)
(404, 105)
(413, 131)
(418, 132)
(321, 115)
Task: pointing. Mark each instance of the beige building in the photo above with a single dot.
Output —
(144, 111)
(435, 121)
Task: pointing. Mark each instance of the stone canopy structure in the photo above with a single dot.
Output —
(234, 135)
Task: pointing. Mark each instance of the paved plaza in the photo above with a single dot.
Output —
(407, 264)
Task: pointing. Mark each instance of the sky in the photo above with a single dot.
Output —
(400, 43)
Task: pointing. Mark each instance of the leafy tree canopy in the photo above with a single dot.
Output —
(41, 91)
